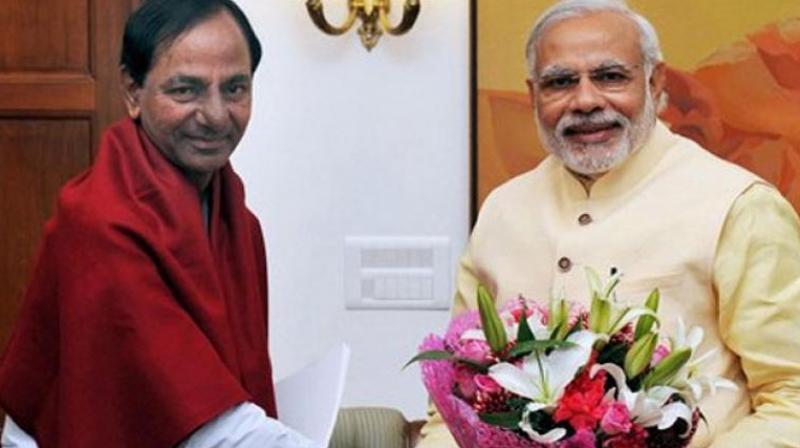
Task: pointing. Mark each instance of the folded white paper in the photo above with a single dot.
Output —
(309, 399)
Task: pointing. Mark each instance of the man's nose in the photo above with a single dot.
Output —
(586, 97)
(213, 112)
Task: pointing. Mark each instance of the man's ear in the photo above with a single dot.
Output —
(658, 80)
(531, 91)
(131, 91)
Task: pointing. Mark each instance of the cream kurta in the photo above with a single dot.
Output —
(658, 218)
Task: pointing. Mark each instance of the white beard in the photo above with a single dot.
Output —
(596, 158)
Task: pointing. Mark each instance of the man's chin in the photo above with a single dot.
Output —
(212, 164)
(593, 162)
(595, 152)
(206, 161)
(210, 148)
(591, 172)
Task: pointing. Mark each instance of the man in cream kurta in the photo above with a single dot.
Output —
(622, 191)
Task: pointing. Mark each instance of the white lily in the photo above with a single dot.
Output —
(692, 339)
(543, 378)
(688, 381)
(648, 407)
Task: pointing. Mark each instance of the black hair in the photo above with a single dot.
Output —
(159, 22)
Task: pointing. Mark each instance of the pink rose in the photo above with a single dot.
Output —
(659, 353)
(616, 420)
(487, 384)
(466, 383)
(584, 438)
(473, 349)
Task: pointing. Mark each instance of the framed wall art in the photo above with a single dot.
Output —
(733, 85)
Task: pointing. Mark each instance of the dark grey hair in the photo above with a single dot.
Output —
(157, 23)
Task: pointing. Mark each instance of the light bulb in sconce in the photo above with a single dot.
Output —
(374, 17)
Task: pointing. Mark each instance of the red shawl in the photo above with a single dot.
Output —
(139, 325)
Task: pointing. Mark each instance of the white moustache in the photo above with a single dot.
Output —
(598, 119)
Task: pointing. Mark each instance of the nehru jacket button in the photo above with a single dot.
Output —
(564, 264)
(585, 219)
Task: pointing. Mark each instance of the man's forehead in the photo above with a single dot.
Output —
(586, 42)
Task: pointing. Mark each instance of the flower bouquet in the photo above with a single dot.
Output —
(560, 376)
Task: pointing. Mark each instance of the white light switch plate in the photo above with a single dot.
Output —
(397, 272)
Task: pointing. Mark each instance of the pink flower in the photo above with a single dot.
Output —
(464, 377)
(487, 384)
(624, 335)
(582, 439)
(659, 353)
(473, 349)
(616, 420)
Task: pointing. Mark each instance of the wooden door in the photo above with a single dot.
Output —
(59, 88)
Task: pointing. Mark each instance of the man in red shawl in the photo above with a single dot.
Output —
(145, 323)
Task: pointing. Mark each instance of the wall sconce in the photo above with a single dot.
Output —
(374, 16)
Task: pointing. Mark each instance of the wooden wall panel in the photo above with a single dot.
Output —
(45, 35)
(36, 158)
(59, 88)
(46, 93)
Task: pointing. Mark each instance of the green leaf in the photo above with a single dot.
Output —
(442, 355)
(525, 348)
(430, 355)
(645, 323)
(524, 332)
(668, 367)
(490, 320)
(474, 365)
(638, 357)
(517, 403)
(508, 420)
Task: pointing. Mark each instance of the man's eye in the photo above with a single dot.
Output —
(559, 83)
(610, 78)
(237, 89)
(182, 93)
